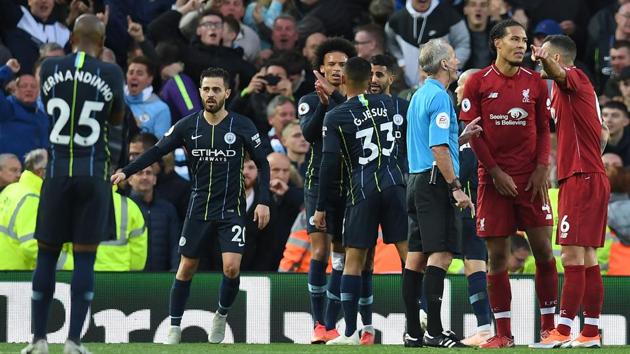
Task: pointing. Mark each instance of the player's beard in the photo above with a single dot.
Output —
(217, 106)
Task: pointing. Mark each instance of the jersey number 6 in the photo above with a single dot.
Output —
(369, 145)
(85, 119)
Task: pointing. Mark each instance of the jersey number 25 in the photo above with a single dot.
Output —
(85, 119)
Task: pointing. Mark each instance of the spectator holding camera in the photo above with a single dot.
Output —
(269, 82)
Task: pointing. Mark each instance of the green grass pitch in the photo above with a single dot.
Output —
(193, 348)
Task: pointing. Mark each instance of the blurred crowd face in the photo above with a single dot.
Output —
(619, 58)
(41, 8)
(234, 8)
(333, 67)
(27, 89)
(517, 259)
(622, 18)
(213, 94)
(278, 71)
(461, 84)
(312, 42)
(284, 34)
(615, 119)
(512, 46)
(293, 140)
(10, 171)
(279, 167)
(381, 79)
(143, 181)
(210, 30)
(365, 45)
(250, 173)
(477, 13)
(138, 78)
(284, 114)
(611, 160)
(421, 5)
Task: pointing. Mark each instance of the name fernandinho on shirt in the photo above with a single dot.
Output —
(80, 76)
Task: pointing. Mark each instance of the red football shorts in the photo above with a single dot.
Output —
(583, 210)
(499, 216)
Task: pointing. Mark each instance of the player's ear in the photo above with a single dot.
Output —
(227, 93)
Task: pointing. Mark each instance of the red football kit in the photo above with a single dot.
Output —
(584, 187)
(515, 116)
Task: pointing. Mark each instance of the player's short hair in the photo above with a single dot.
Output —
(36, 160)
(357, 70)
(147, 140)
(216, 72)
(564, 45)
(518, 242)
(144, 61)
(384, 60)
(616, 105)
(274, 103)
(335, 44)
(432, 54)
(375, 31)
(498, 31)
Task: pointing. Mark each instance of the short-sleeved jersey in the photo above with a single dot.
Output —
(365, 130)
(575, 109)
(432, 121)
(400, 108)
(215, 156)
(80, 93)
(311, 113)
(514, 115)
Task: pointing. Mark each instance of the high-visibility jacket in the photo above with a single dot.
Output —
(18, 217)
(129, 250)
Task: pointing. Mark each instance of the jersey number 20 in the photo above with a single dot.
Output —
(369, 145)
(85, 119)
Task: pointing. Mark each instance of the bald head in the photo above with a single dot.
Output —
(88, 31)
(279, 166)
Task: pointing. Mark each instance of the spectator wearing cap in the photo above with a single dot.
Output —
(542, 29)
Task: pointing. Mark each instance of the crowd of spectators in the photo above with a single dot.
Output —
(268, 48)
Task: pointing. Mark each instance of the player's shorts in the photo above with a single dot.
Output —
(197, 236)
(75, 209)
(387, 208)
(434, 221)
(583, 210)
(334, 213)
(473, 247)
(500, 216)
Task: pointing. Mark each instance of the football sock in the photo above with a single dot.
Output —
(350, 289)
(478, 297)
(179, 295)
(592, 301)
(366, 299)
(334, 299)
(82, 292)
(410, 281)
(546, 280)
(43, 291)
(500, 296)
(227, 293)
(317, 289)
(572, 292)
(433, 288)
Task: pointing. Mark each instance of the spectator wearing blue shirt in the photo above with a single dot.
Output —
(150, 113)
(23, 124)
(433, 193)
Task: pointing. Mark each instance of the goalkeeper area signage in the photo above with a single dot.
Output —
(270, 308)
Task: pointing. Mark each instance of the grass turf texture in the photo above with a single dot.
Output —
(193, 348)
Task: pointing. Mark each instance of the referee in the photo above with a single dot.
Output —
(433, 194)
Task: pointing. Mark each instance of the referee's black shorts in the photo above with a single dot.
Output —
(434, 221)
(75, 209)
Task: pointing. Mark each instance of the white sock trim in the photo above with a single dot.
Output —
(548, 310)
(504, 314)
(486, 328)
(591, 321)
(565, 321)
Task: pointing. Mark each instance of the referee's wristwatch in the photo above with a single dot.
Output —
(455, 185)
